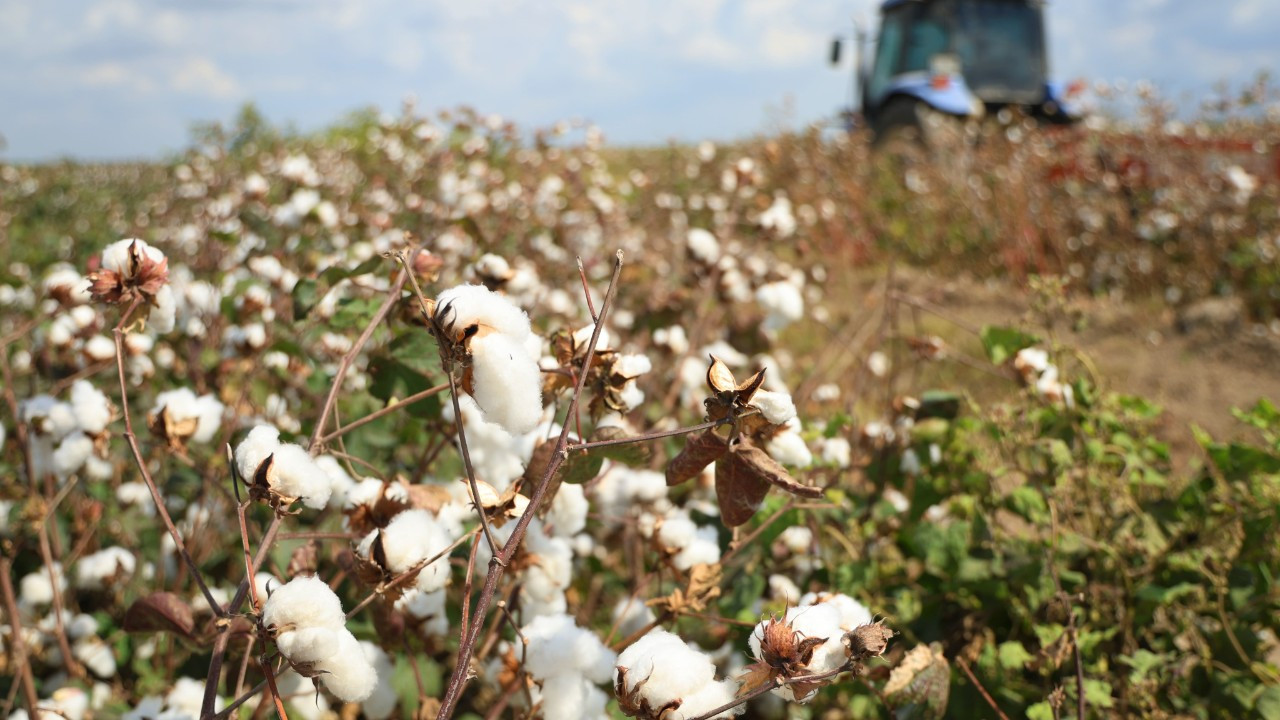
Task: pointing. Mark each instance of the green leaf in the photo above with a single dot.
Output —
(581, 466)
(1013, 655)
(938, 404)
(1002, 343)
(1097, 693)
(1041, 711)
(1143, 662)
(1165, 595)
(1268, 704)
(634, 454)
(305, 296)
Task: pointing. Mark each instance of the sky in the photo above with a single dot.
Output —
(120, 79)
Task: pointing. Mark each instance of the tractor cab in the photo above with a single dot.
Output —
(962, 58)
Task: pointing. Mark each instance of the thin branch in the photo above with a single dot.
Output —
(19, 641)
(461, 671)
(46, 554)
(141, 462)
(226, 711)
(767, 687)
(393, 295)
(586, 290)
(985, 695)
(416, 397)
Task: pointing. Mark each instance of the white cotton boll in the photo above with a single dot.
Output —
(711, 696)
(295, 474)
(90, 406)
(96, 656)
(308, 645)
(630, 614)
(477, 305)
(426, 606)
(256, 447)
(568, 514)
(632, 366)
(209, 418)
(72, 454)
(556, 645)
(36, 589)
(669, 669)
(414, 536)
(703, 245)
(812, 621)
(180, 403)
(348, 674)
(164, 312)
(910, 463)
(136, 493)
(1031, 359)
(303, 700)
(497, 456)
(93, 571)
(508, 383)
(837, 451)
(265, 583)
(782, 304)
(788, 448)
(340, 482)
(797, 539)
(852, 613)
(82, 626)
(673, 337)
(783, 589)
(776, 407)
(186, 697)
(703, 549)
(305, 601)
(572, 696)
(382, 702)
(677, 530)
(620, 489)
(116, 256)
(631, 396)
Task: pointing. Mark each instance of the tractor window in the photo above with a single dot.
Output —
(928, 37)
(1001, 44)
(888, 51)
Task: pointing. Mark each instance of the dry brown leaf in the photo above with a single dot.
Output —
(700, 451)
(740, 488)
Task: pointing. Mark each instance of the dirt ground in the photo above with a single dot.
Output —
(1197, 363)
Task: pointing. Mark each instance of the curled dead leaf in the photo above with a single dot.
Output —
(700, 451)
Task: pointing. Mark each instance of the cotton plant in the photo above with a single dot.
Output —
(660, 677)
(180, 416)
(305, 619)
(490, 337)
(281, 473)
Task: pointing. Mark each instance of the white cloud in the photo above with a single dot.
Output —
(201, 76)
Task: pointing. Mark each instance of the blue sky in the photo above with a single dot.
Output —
(127, 78)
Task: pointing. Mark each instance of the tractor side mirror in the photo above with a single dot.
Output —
(835, 51)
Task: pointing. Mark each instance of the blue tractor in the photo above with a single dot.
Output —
(958, 58)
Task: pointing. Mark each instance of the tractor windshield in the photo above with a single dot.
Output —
(1001, 49)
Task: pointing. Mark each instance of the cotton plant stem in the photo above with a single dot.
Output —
(269, 538)
(393, 296)
(230, 708)
(981, 689)
(141, 462)
(414, 398)
(774, 684)
(46, 555)
(461, 671)
(18, 641)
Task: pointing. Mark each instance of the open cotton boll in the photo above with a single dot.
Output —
(788, 448)
(568, 513)
(572, 696)
(382, 701)
(94, 571)
(478, 305)
(305, 601)
(711, 696)
(91, 408)
(507, 382)
(115, 257)
(556, 645)
(414, 536)
(303, 700)
(256, 447)
(208, 410)
(630, 614)
(295, 474)
(340, 482)
(96, 655)
(661, 668)
(308, 645)
(704, 548)
(782, 304)
(703, 245)
(776, 407)
(71, 455)
(811, 621)
(164, 313)
(497, 456)
(347, 673)
(852, 613)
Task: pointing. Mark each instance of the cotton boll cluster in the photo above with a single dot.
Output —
(788, 446)
(547, 571)
(568, 663)
(660, 671)
(67, 438)
(703, 246)
(1033, 365)
(782, 304)
(285, 471)
(621, 491)
(411, 538)
(309, 627)
(179, 415)
(104, 568)
(506, 381)
(182, 701)
(497, 456)
(677, 535)
(789, 647)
